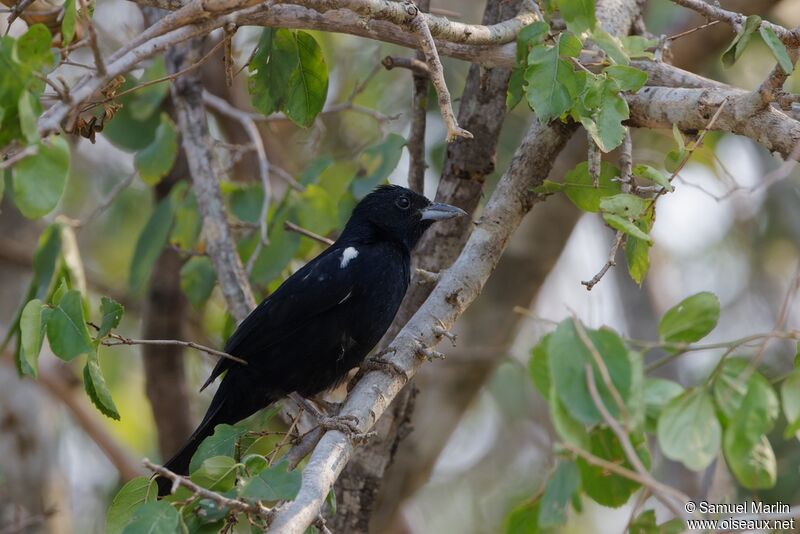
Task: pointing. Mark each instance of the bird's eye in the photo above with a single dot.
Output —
(403, 203)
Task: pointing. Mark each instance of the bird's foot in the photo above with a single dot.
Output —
(347, 425)
(379, 363)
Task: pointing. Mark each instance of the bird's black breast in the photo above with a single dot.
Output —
(322, 321)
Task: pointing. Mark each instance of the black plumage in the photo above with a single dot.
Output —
(325, 318)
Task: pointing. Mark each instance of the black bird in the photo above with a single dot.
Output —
(325, 318)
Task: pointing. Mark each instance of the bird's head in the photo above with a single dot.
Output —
(395, 213)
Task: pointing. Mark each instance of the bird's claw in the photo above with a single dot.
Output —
(347, 425)
(377, 363)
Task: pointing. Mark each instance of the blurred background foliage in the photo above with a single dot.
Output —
(723, 231)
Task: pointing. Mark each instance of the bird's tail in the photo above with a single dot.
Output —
(179, 463)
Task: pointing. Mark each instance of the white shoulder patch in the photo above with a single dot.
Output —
(348, 255)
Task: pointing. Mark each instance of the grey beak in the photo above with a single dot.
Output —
(438, 212)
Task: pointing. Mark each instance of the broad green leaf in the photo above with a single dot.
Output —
(538, 366)
(753, 464)
(602, 486)
(567, 359)
(197, 280)
(245, 201)
(740, 42)
(691, 319)
(146, 102)
(152, 240)
(636, 46)
(255, 463)
(31, 335)
(96, 388)
(579, 187)
(154, 162)
(645, 523)
(627, 78)
(578, 14)
(529, 36)
(637, 251)
(736, 382)
(625, 226)
(790, 397)
(552, 81)
(126, 130)
(611, 45)
(273, 63)
(66, 328)
(561, 486)
(777, 47)
(275, 483)
(187, 225)
(567, 427)
(314, 170)
(605, 122)
(376, 163)
(307, 87)
(133, 494)
(28, 110)
(624, 205)
(39, 180)
(221, 443)
(34, 48)
(647, 172)
(110, 315)
(688, 430)
(335, 179)
(72, 262)
(154, 518)
(217, 473)
(68, 22)
(657, 393)
(524, 519)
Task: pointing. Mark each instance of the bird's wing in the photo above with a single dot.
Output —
(322, 284)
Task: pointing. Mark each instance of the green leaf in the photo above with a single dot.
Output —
(568, 356)
(688, 430)
(154, 162)
(376, 163)
(276, 483)
(66, 328)
(636, 46)
(28, 110)
(217, 473)
(605, 122)
(790, 397)
(307, 87)
(154, 518)
(96, 388)
(561, 486)
(529, 36)
(740, 42)
(645, 523)
(548, 187)
(627, 78)
(68, 22)
(579, 187)
(578, 14)
(110, 315)
(625, 226)
(567, 427)
(31, 334)
(221, 443)
(624, 205)
(39, 180)
(274, 61)
(152, 240)
(552, 81)
(197, 280)
(637, 251)
(611, 45)
(647, 172)
(145, 102)
(602, 486)
(753, 464)
(777, 47)
(691, 319)
(71, 255)
(538, 366)
(187, 225)
(255, 463)
(524, 519)
(34, 48)
(658, 392)
(131, 496)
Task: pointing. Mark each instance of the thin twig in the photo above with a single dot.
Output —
(116, 340)
(292, 227)
(92, 37)
(238, 505)
(610, 262)
(29, 150)
(692, 30)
